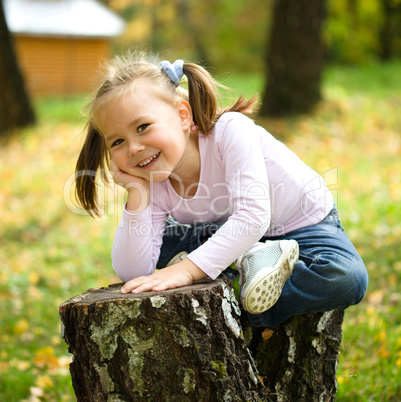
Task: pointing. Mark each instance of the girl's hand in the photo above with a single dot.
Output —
(137, 187)
(126, 180)
(182, 274)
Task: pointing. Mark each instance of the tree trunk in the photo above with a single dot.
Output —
(299, 361)
(390, 28)
(187, 344)
(295, 58)
(15, 108)
(179, 345)
(191, 28)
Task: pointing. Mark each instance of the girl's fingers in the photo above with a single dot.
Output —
(161, 287)
(144, 287)
(141, 284)
(131, 285)
(113, 167)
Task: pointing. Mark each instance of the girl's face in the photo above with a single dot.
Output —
(148, 137)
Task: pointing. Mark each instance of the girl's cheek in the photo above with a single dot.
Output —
(116, 155)
(115, 159)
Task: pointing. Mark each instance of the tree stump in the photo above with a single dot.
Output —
(187, 344)
(298, 361)
(178, 345)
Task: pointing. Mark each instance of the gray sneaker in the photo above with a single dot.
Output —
(177, 258)
(264, 269)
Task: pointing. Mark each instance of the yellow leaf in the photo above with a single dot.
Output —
(21, 326)
(56, 340)
(45, 358)
(22, 365)
(47, 350)
(46, 361)
(44, 381)
(393, 280)
(383, 352)
(33, 278)
(35, 293)
(65, 360)
(376, 297)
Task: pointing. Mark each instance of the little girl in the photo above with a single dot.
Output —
(206, 188)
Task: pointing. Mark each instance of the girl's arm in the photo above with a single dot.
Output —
(237, 142)
(138, 189)
(136, 245)
(138, 238)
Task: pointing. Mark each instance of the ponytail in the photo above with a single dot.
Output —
(203, 98)
(93, 157)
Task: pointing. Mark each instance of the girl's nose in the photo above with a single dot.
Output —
(135, 147)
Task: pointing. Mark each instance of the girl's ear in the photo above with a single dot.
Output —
(185, 114)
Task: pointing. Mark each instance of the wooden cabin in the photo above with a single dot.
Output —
(60, 43)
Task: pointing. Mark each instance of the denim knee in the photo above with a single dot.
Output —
(348, 285)
(359, 277)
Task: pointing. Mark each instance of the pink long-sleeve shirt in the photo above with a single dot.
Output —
(250, 183)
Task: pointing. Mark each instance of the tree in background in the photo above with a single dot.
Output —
(362, 31)
(295, 58)
(15, 108)
(390, 30)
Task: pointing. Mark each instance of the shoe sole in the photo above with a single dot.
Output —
(177, 258)
(267, 288)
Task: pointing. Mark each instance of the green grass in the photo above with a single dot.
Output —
(48, 253)
(68, 110)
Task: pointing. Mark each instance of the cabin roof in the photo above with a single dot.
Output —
(83, 18)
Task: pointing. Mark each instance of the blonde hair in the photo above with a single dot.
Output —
(119, 78)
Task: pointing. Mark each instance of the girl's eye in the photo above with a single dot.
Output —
(117, 142)
(142, 127)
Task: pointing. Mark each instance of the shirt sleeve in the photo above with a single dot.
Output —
(137, 243)
(238, 143)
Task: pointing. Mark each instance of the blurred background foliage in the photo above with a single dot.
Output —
(51, 251)
(221, 33)
(231, 35)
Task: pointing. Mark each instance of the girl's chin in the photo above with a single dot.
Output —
(156, 177)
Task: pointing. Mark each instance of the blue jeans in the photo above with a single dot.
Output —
(329, 275)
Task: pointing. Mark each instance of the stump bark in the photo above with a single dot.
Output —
(188, 344)
(299, 361)
(178, 345)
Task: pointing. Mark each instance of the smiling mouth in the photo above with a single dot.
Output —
(147, 161)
